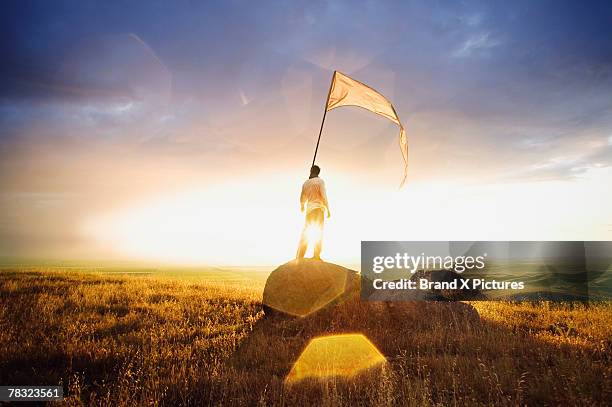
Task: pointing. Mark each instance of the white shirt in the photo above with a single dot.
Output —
(314, 195)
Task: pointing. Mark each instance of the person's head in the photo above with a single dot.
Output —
(314, 171)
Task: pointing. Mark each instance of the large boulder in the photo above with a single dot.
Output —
(302, 287)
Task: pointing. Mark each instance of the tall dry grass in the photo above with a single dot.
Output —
(121, 340)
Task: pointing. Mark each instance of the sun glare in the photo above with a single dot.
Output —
(313, 234)
(343, 355)
(217, 225)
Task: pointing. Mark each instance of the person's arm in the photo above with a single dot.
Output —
(302, 199)
(324, 196)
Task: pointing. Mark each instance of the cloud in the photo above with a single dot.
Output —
(104, 67)
(476, 44)
(558, 159)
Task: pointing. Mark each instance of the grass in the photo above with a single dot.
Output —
(199, 339)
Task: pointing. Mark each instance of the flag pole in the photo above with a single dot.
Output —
(323, 121)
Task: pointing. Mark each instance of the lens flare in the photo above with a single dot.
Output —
(336, 356)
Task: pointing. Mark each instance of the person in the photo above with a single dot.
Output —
(314, 197)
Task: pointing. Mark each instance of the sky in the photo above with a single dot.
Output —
(181, 131)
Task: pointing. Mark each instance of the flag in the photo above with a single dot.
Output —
(345, 91)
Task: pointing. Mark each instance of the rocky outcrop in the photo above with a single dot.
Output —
(302, 287)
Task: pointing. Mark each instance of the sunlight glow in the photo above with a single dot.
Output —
(314, 234)
(257, 221)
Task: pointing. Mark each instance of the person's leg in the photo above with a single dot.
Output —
(318, 221)
(303, 245)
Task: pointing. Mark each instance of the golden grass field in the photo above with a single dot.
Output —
(201, 338)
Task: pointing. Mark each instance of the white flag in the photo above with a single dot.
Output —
(345, 91)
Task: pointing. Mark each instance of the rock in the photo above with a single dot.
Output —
(302, 287)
